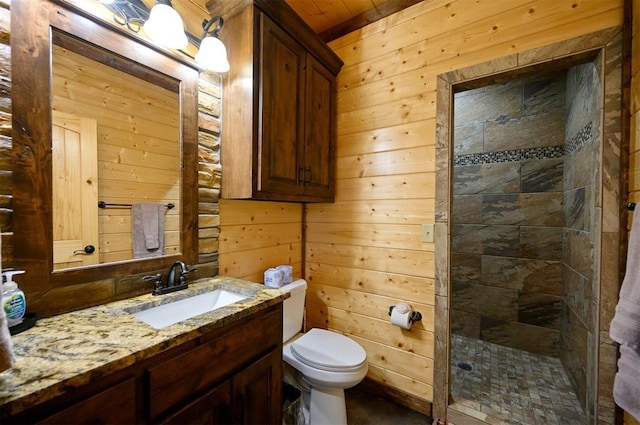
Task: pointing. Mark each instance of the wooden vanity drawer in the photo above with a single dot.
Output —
(113, 405)
(181, 378)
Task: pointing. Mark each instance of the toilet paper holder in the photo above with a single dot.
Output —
(415, 316)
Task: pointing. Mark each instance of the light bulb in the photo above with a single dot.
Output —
(212, 55)
(165, 27)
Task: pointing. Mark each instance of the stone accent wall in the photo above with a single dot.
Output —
(577, 347)
(6, 173)
(73, 297)
(507, 213)
(209, 169)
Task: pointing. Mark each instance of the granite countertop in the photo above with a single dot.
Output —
(71, 349)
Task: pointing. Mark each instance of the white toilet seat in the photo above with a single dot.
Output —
(328, 351)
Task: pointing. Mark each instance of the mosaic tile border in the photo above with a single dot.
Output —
(513, 155)
(584, 136)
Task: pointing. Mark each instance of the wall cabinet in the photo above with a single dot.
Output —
(229, 375)
(279, 107)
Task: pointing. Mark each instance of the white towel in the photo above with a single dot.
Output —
(626, 391)
(625, 326)
(148, 229)
(6, 345)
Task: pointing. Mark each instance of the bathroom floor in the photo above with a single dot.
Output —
(513, 385)
(365, 408)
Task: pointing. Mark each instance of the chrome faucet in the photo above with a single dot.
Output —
(174, 282)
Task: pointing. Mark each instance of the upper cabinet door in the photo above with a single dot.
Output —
(280, 114)
(319, 130)
(282, 79)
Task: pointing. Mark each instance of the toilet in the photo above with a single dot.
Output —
(322, 363)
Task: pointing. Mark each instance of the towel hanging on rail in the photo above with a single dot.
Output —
(147, 229)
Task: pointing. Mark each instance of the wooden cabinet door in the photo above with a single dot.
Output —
(212, 408)
(281, 111)
(319, 130)
(257, 392)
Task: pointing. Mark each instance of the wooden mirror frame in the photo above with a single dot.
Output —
(34, 24)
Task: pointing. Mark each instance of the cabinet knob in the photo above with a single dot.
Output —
(307, 175)
(304, 175)
(300, 175)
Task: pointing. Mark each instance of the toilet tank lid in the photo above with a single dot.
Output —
(296, 285)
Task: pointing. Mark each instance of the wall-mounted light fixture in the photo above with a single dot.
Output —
(212, 54)
(164, 26)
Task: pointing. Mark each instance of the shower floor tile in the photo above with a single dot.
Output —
(513, 386)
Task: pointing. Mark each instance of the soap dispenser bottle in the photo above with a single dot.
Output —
(13, 300)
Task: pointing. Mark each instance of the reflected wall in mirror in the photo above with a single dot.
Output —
(130, 140)
(139, 103)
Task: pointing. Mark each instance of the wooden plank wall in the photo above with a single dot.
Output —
(634, 160)
(257, 235)
(138, 144)
(364, 252)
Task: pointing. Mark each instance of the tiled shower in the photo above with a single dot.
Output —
(525, 168)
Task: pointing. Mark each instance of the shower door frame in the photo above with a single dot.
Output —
(609, 243)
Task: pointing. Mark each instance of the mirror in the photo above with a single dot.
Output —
(116, 142)
(118, 129)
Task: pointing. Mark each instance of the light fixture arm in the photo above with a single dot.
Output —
(206, 26)
(131, 14)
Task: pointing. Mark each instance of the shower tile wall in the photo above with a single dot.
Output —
(508, 214)
(580, 178)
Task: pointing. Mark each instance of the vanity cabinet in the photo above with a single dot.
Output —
(212, 408)
(231, 374)
(217, 370)
(280, 107)
(245, 399)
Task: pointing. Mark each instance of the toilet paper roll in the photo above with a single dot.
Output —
(401, 316)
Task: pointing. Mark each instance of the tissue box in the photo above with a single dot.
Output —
(287, 273)
(273, 278)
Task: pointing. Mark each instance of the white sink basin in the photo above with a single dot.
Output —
(177, 311)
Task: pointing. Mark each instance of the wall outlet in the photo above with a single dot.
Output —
(427, 233)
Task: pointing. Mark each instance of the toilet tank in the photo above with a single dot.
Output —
(293, 308)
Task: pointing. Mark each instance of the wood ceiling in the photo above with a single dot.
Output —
(330, 19)
(333, 18)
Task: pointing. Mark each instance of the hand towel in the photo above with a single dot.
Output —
(148, 229)
(626, 389)
(625, 326)
(6, 345)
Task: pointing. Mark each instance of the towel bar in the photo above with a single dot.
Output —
(102, 204)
